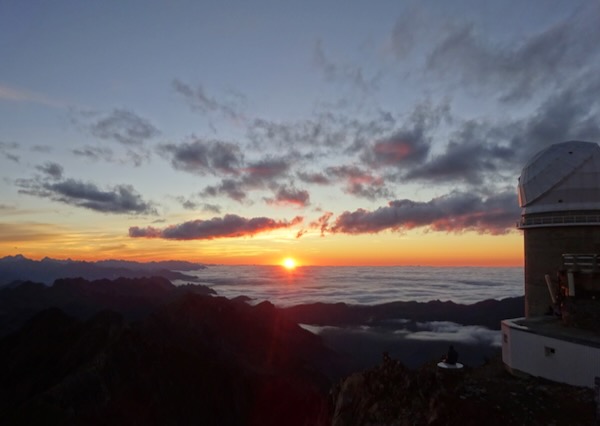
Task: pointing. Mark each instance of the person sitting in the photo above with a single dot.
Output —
(452, 356)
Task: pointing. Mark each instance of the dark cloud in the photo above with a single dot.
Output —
(344, 73)
(265, 170)
(316, 178)
(228, 187)
(41, 148)
(6, 149)
(322, 223)
(485, 151)
(204, 157)
(198, 100)
(94, 153)
(455, 212)
(229, 226)
(410, 144)
(518, 70)
(476, 151)
(290, 196)
(325, 130)
(186, 203)
(571, 113)
(122, 199)
(52, 170)
(125, 127)
(190, 204)
(211, 208)
(404, 33)
(401, 148)
(359, 182)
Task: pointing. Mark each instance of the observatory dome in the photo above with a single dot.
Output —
(563, 177)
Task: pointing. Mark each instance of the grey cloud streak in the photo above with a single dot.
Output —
(198, 100)
(120, 199)
(125, 127)
(228, 226)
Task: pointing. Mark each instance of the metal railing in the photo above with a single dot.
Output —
(581, 261)
(563, 220)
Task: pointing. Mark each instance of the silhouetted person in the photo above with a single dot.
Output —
(451, 356)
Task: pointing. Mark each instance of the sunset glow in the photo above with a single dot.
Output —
(289, 263)
(218, 141)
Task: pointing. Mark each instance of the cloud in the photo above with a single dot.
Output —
(451, 332)
(124, 127)
(95, 153)
(229, 226)
(199, 100)
(19, 232)
(6, 149)
(265, 170)
(409, 145)
(52, 170)
(20, 95)
(345, 73)
(476, 150)
(316, 178)
(359, 182)
(229, 187)
(322, 223)
(190, 204)
(570, 113)
(120, 199)
(204, 156)
(290, 196)
(42, 148)
(541, 61)
(455, 212)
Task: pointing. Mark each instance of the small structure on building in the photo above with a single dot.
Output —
(559, 337)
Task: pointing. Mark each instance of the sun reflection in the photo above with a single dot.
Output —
(289, 263)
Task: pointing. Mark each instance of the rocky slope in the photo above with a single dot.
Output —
(392, 395)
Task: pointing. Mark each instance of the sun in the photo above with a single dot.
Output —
(289, 263)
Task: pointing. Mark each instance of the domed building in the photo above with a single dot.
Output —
(559, 337)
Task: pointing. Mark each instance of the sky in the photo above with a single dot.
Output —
(235, 132)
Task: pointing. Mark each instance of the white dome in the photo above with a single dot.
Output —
(563, 177)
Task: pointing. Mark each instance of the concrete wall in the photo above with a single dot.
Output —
(544, 248)
(553, 359)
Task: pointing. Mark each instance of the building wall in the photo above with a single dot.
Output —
(553, 359)
(544, 248)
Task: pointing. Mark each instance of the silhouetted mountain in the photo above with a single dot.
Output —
(132, 297)
(19, 268)
(487, 313)
(197, 360)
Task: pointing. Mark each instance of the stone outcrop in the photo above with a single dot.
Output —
(392, 395)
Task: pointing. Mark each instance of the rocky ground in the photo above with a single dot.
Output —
(390, 394)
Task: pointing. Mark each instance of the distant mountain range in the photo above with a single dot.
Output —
(15, 269)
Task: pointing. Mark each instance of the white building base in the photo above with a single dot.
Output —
(543, 347)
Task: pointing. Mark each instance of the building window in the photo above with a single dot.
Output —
(548, 351)
(505, 337)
